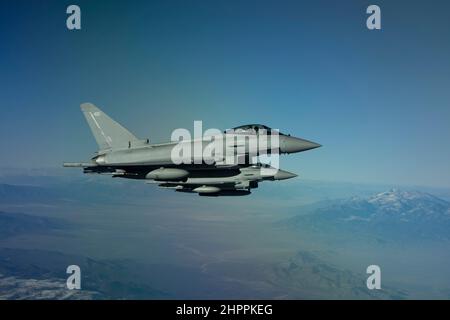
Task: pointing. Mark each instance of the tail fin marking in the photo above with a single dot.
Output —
(108, 133)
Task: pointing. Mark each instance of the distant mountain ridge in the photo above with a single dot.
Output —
(82, 190)
(41, 274)
(308, 277)
(411, 203)
(393, 214)
(14, 224)
(11, 193)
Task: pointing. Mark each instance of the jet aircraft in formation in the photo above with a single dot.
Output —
(121, 154)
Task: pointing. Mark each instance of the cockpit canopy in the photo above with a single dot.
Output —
(253, 128)
(261, 165)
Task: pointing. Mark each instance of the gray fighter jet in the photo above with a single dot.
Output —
(121, 154)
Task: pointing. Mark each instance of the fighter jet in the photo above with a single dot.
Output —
(122, 154)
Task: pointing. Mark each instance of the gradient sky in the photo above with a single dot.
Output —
(378, 101)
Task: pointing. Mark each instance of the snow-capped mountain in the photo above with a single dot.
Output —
(410, 204)
(390, 214)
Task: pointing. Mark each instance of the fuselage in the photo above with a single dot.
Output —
(234, 145)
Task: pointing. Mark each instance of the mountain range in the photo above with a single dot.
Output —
(13, 224)
(307, 276)
(391, 215)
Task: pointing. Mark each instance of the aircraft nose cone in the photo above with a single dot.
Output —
(283, 175)
(292, 144)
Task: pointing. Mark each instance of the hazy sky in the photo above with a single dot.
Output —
(378, 101)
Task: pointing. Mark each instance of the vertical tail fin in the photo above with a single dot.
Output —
(108, 133)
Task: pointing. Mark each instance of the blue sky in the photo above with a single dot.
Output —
(378, 101)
